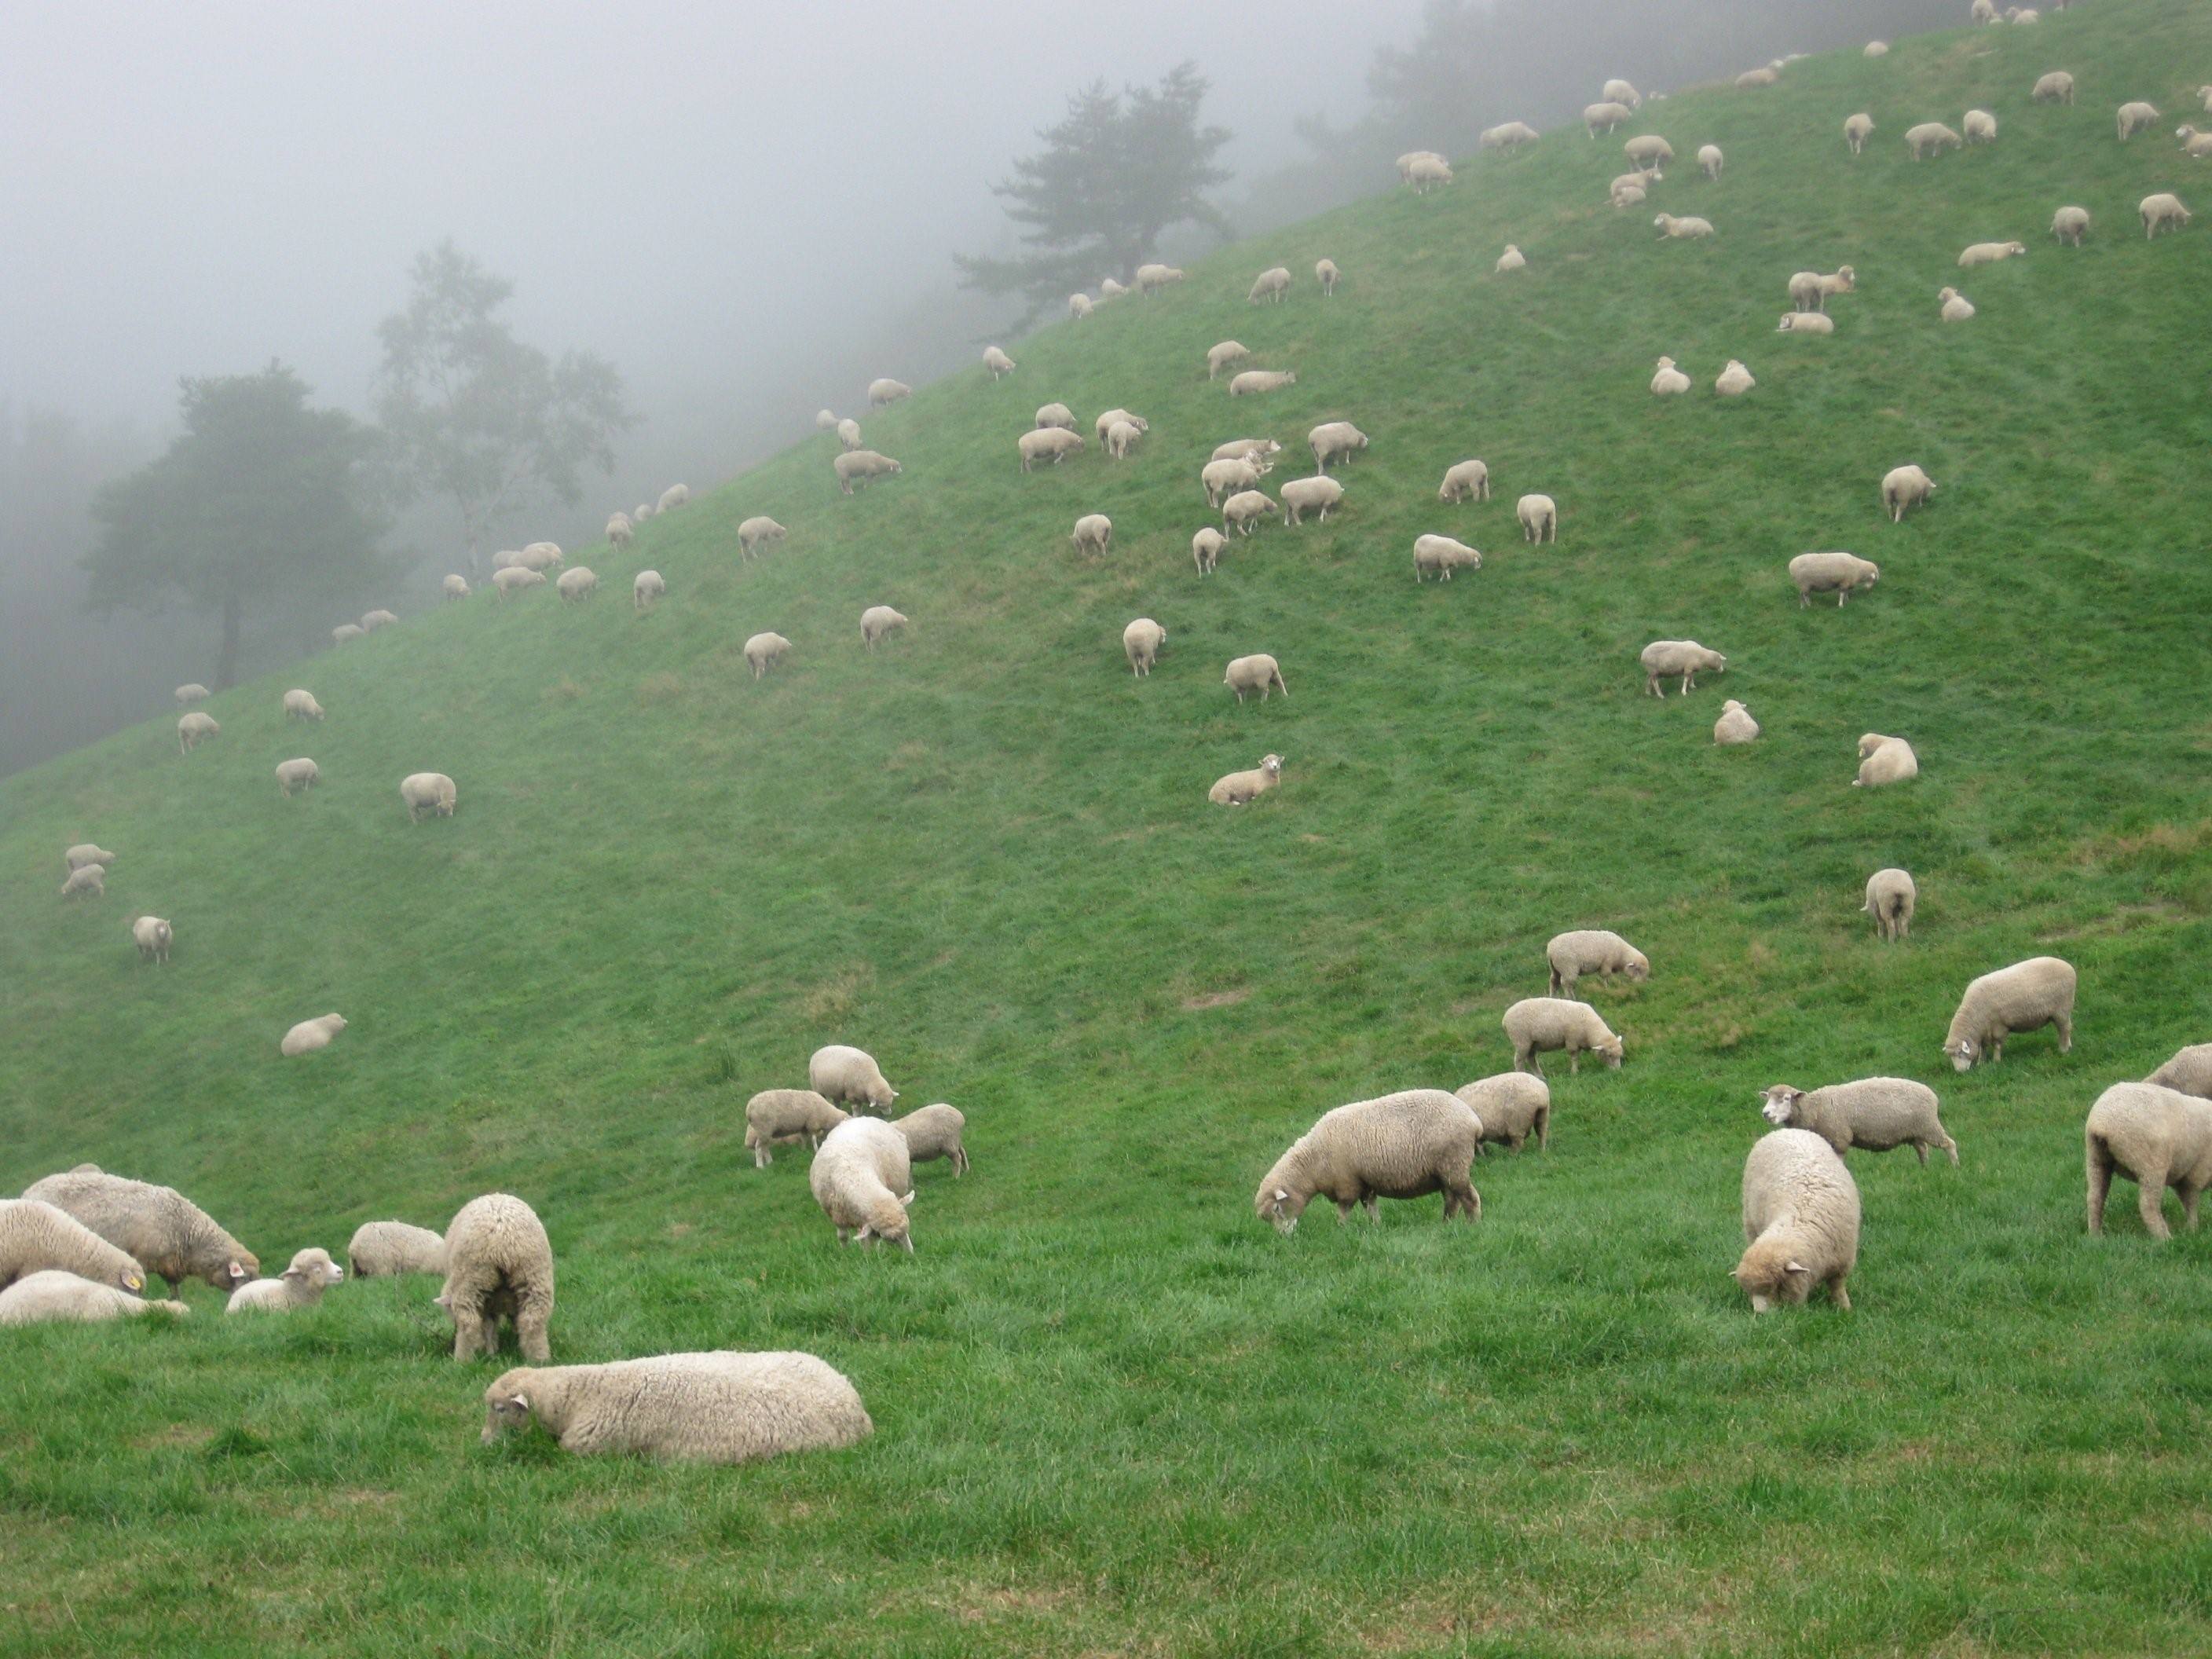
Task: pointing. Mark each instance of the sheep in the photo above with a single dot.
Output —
(849, 1076)
(933, 1132)
(1258, 672)
(1890, 897)
(1648, 152)
(1270, 285)
(1990, 253)
(577, 584)
(1619, 92)
(193, 692)
(1467, 481)
(1536, 1023)
(1427, 173)
(1627, 195)
(1876, 1114)
(2056, 87)
(1983, 11)
(640, 513)
(1105, 423)
(1510, 1106)
(1442, 555)
(92, 879)
(1710, 161)
(373, 620)
(310, 1035)
(764, 651)
(758, 532)
(2160, 212)
(1406, 162)
(1314, 495)
(1241, 511)
(787, 1115)
(52, 1297)
(37, 1237)
(195, 729)
(1509, 261)
(848, 435)
(1638, 182)
(1884, 760)
(1047, 443)
(2135, 117)
(2194, 144)
(1735, 726)
(1334, 440)
(2025, 997)
(1957, 307)
(1261, 452)
(1684, 229)
(1059, 415)
(2204, 98)
(1734, 380)
(2023, 14)
(1980, 127)
(1407, 1144)
(1931, 138)
(1858, 128)
(1243, 788)
(1762, 77)
(455, 587)
(301, 705)
(1152, 279)
(1223, 479)
(998, 365)
(1608, 115)
(1262, 380)
(1508, 136)
(301, 774)
(886, 391)
(2156, 1137)
(1327, 274)
(1805, 322)
(153, 936)
(1801, 1222)
(1664, 659)
(1120, 438)
(1109, 289)
(1079, 306)
(1140, 643)
(76, 858)
(1093, 533)
(858, 466)
(1809, 290)
(158, 1227)
(540, 556)
(1840, 574)
(1903, 487)
(1875, 49)
(516, 580)
(718, 1407)
(1220, 355)
(1669, 381)
(876, 621)
(430, 792)
(1593, 951)
(300, 1284)
(620, 533)
(863, 1180)
(346, 633)
(645, 587)
(386, 1249)
(1540, 518)
(2190, 1071)
(1205, 550)
(499, 1264)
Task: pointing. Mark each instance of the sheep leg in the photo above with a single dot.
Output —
(1374, 1209)
(959, 1160)
(2188, 1197)
(1344, 1210)
(2150, 1201)
(1575, 1062)
(2065, 1022)
(1952, 1147)
(1543, 1132)
(2098, 1160)
(1921, 1148)
(1838, 1294)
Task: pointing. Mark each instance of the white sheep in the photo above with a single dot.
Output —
(300, 1284)
(1710, 161)
(1441, 555)
(1327, 274)
(620, 532)
(1638, 182)
(2204, 98)
(373, 620)
(2197, 146)
(1079, 306)
(1593, 951)
(499, 1265)
(2156, 1137)
(2135, 117)
(2025, 997)
(158, 1227)
(2161, 211)
(300, 704)
(1980, 127)
(1262, 380)
(1407, 1144)
(884, 392)
(718, 1407)
(1258, 672)
(538, 555)
(1467, 481)
(878, 621)
(2190, 1071)
(1509, 261)
(825, 420)
(934, 1132)
(193, 693)
(1122, 437)
(427, 792)
(1272, 285)
(1931, 138)
(1649, 152)
(1219, 356)
(516, 580)
(507, 559)
(1858, 128)
(1801, 1222)
(998, 364)
(1956, 307)
(1427, 173)
(1223, 479)
(1243, 788)
(1890, 898)
(301, 774)
(36, 1237)
(1244, 510)
(1688, 229)
(577, 584)
(388, 1248)
(311, 1034)
(1905, 487)
(1875, 49)
(1261, 452)
(1140, 643)
(1607, 115)
(1104, 425)
(1540, 518)
(1875, 1114)
(1205, 550)
(758, 532)
(1734, 380)
(195, 729)
(1619, 92)
(850, 1076)
(1990, 253)
(1109, 289)
(1627, 195)
(1735, 726)
(455, 587)
(1535, 1025)
(1805, 322)
(764, 651)
(776, 1116)
(76, 858)
(153, 936)
(638, 514)
(858, 466)
(1510, 1106)
(53, 1296)
(1508, 136)
(1663, 659)
(1093, 533)
(1151, 279)
(863, 1180)
(1316, 496)
(1840, 574)
(92, 879)
(1047, 443)
(1056, 415)
(645, 587)
(2056, 87)
(1885, 760)
(1334, 440)
(1406, 162)
(848, 434)
(1762, 77)
(1811, 290)
(1669, 381)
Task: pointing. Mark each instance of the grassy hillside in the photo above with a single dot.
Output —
(1116, 1413)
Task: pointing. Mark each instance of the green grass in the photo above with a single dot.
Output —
(1114, 1413)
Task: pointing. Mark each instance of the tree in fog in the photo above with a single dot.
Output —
(1119, 170)
(475, 416)
(262, 503)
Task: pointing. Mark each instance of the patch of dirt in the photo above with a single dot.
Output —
(1215, 999)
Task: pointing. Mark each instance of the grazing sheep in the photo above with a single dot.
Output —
(309, 1035)
(2162, 211)
(1219, 356)
(1427, 173)
(1540, 518)
(1241, 511)
(1151, 279)
(36, 1237)
(1876, 1114)
(787, 1115)
(1957, 307)
(858, 466)
(1510, 1106)
(1271, 285)
(1669, 381)
(2190, 1071)
(301, 774)
(999, 365)
(885, 392)
(1093, 533)
(1508, 136)
(1205, 550)
(1406, 162)
(577, 584)
(540, 556)
(2069, 224)
(1810, 290)
(386, 1249)
(301, 705)
(1983, 11)
(638, 514)
(1261, 452)
(92, 879)
(1243, 788)
(1327, 274)
(1407, 1144)
(2025, 997)
(1223, 479)
(876, 621)
(373, 620)
(1105, 423)
(1735, 725)
(1120, 438)
(1109, 289)
(1140, 643)
(1801, 1222)
(1047, 443)
(644, 588)
(1734, 380)
(848, 435)
(758, 532)
(300, 1284)
(620, 532)
(2056, 87)
(933, 1132)
(2197, 146)
(1593, 951)
(1674, 229)
(190, 694)
(455, 587)
(1980, 126)
(1648, 152)
(1079, 306)
(153, 936)
(1858, 128)
(1840, 574)
(1314, 495)
(52, 1296)
(1709, 161)
(158, 1227)
(1056, 415)
(1931, 138)
(764, 651)
(1875, 49)
(850, 1076)
(1607, 115)
(863, 1180)
(2156, 1137)
(516, 580)
(1441, 555)
(1258, 672)
(346, 633)
(1885, 760)
(195, 729)
(1469, 481)
(76, 858)
(718, 1407)
(1903, 487)
(1509, 261)
(1619, 92)
(430, 792)
(1990, 253)
(1536, 1023)
(1254, 380)
(1762, 77)
(1334, 440)
(2136, 117)
(1890, 898)
(499, 1265)
(1663, 659)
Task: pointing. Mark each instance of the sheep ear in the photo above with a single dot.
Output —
(292, 1273)
(907, 1201)
(1796, 1267)
(238, 1271)
(442, 1300)
(523, 1401)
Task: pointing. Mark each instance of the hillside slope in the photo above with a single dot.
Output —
(1114, 1413)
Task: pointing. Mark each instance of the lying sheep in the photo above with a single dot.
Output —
(153, 936)
(998, 365)
(1509, 261)
(1093, 533)
(1327, 274)
(1890, 898)
(1334, 440)
(1508, 136)
(934, 1132)
(195, 729)
(1427, 173)
(1205, 550)
(36, 1237)
(2056, 87)
(76, 858)
(1931, 138)
(1990, 253)
(310, 1035)
(645, 587)
(1151, 279)
(1674, 229)
(787, 1115)
(1885, 760)
(877, 621)
(1314, 495)
(2190, 1071)
(516, 580)
(1876, 1114)
(1243, 788)
(1261, 452)
(1810, 290)
(1638, 182)
(456, 587)
(2136, 117)
(1628, 196)
(1223, 479)
(1106, 423)
(1593, 951)
(1252, 380)
(373, 620)
(1649, 152)
(1806, 322)
(301, 705)
(92, 879)
(2025, 997)
(863, 1180)
(1469, 481)
(1710, 161)
(1056, 415)
(2156, 1137)
(2197, 146)
(1271, 285)
(1801, 1221)
(1875, 49)
(190, 694)
(1244, 510)
(1762, 77)
(1218, 357)
(1606, 116)
(2162, 211)
(886, 391)
(1258, 672)
(1733, 379)
(1840, 574)
(1956, 307)
(1510, 1106)
(1903, 487)
(1735, 726)
(758, 532)
(1537, 1023)
(499, 1265)
(1407, 1144)
(158, 1227)
(858, 466)
(386, 1249)
(346, 633)
(1540, 518)
(1140, 643)
(1663, 659)
(620, 533)
(849, 1076)
(1441, 555)
(1120, 438)
(764, 651)
(52, 1297)
(1980, 127)
(1669, 381)
(848, 435)
(720, 1408)
(1047, 443)
(301, 774)
(1078, 305)
(427, 792)
(299, 1285)
(1858, 128)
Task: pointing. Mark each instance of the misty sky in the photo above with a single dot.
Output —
(688, 189)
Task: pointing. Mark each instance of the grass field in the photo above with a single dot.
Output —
(1114, 1413)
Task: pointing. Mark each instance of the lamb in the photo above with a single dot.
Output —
(1152, 279)
(848, 435)
(1649, 152)
(1509, 261)
(76, 858)
(787, 1115)
(1327, 274)
(1540, 518)
(373, 620)
(1205, 550)
(1120, 438)
(1223, 479)
(1903, 487)
(758, 532)
(1608, 115)
(1876, 1113)
(1981, 127)
(1334, 440)
(1957, 307)
(1219, 356)
(1427, 173)
(998, 365)
(1270, 285)
(1885, 760)
(1059, 415)
(91, 878)
(516, 580)
(1858, 128)
(1093, 533)
(1536, 1023)
(863, 1180)
(1735, 726)
(1079, 306)
(1245, 509)
(1890, 897)
(195, 729)
(1638, 182)
(1314, 495)
(1469, 481)
(2190, 1071)
(310, 1035)
(158, 1227)
(1441, 555)
(1510, 1106)
(52, 1297)
(386, 1249)
(1258, 672)
(1762, 77)
(2156, 1137)
(1685, 229)
(1665, 659)
(1840, 574)
(885, 392)
(455, 587)
(2160, 212)
(1801, 1222)
(1811, 291)
(1140, 643)
(301, 705)
(1261, 452)
(1243, 788)
(1670, 382)
(645, 587)
(876, 621)
(1262, 380)
(499, 1265)
(346, 633)
(1734, 380)
(1931, 138)
(1619, 92)
(1593, 951)
(764, 651)
(1627, 195)
(1508, 136)
(858, 466)
(620, 533)
(718, 1407)
(1709, 162)
(2056, 87)
(1105, 423)
(933, 1132)
(36, 1237)
(1407, 1144)
(1047, 443)
(849, 1076)
(300, 1284)
(2194, 144)
(2136, 117)
(301, 774)
(427, 792)
(1990, 253)
(153, 936)
(2024, 997)
(1806, 322)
